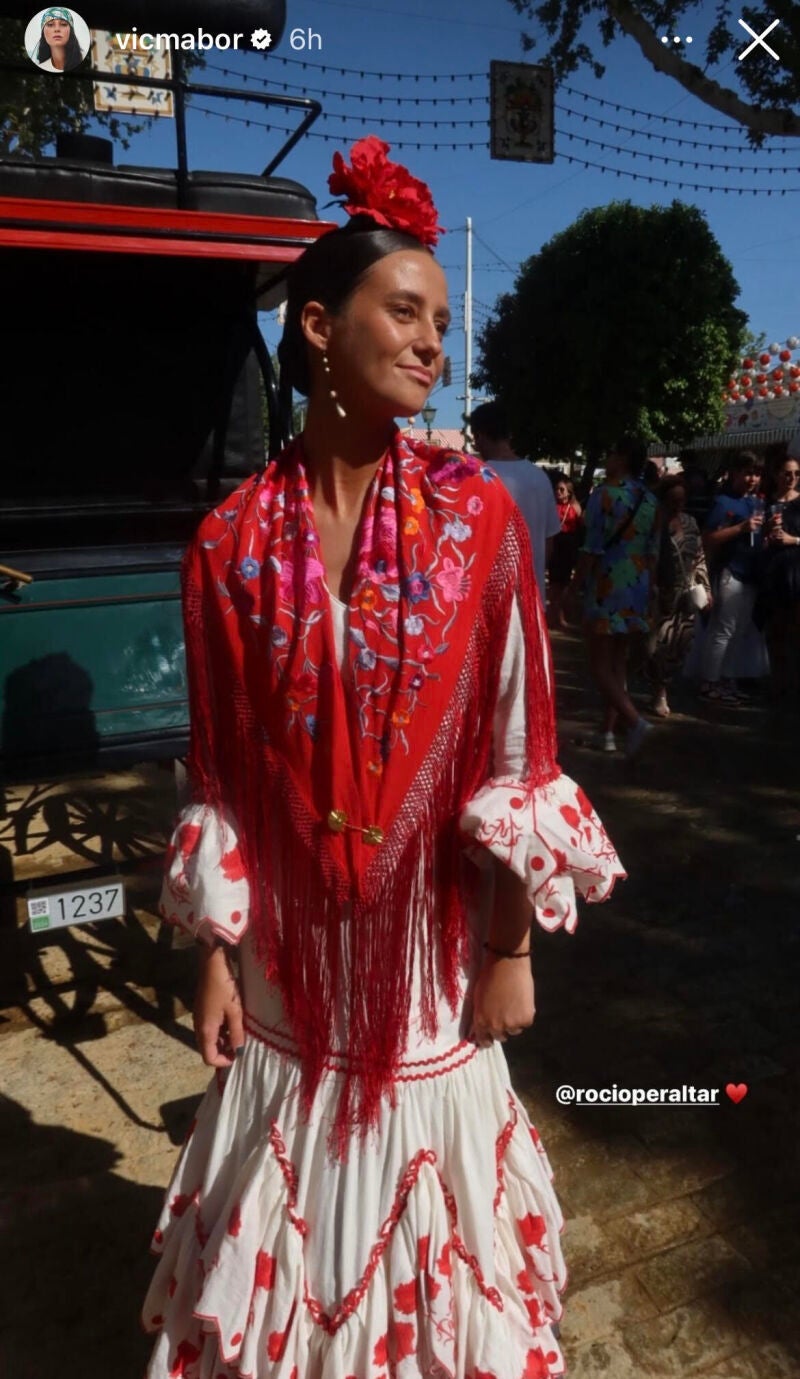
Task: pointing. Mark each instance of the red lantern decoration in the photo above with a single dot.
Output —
(761, 378)
(785, 355)
(748, 364)
(778, 392)
(795, 371)
(763, 358)
(762, 392)
(794, 387)
(749, 394)
(777, 374)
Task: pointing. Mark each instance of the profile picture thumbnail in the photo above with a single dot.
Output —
(57, 39)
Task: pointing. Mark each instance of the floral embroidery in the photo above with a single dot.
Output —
(422, 600)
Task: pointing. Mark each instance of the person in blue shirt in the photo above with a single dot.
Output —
(732, 541)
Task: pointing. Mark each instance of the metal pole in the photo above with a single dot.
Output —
(468, 322)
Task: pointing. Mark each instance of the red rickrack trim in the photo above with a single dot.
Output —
(338, 1062)
(354, 1298)
(491, 1294)
(501, 1145)
(290, 1176)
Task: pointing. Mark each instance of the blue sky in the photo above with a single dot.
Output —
(409, 53)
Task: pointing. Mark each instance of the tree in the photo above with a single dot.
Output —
(35, 109)
(624, 322)
(771, 89)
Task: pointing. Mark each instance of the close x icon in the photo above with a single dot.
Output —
(759, 40)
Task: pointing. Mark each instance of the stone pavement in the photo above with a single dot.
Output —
(682, 1224)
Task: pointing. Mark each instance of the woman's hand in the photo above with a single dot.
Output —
(502, 1003)
(218, 1024)
(779, 537)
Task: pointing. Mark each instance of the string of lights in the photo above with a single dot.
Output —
(302, 89)
(472, 145)
(669, 158)
(361, 96)
(440, 77)
(790, 147)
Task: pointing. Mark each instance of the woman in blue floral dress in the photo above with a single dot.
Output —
(615, 575)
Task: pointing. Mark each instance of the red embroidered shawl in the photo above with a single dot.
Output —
(346, 790)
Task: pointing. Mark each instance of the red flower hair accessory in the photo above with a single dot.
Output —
(385, 191)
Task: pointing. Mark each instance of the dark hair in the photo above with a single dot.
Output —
(745, 459)
(651, 474)
(329, 272)
(73, 56)
(491, 420)
(634, 451)
(671, 481)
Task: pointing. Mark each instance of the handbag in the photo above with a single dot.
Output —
(696, 593)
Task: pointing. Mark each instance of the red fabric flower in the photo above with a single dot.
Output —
(275, 1345)
(385, 191)
(538, 1364)
(532, 1229)
(232, 865)
(185, 1358)
(265, 1270)
(405, 1297)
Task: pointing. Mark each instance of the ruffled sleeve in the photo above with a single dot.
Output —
(550, 836)
(205, 890)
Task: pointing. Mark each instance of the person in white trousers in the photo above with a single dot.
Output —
(732, 539)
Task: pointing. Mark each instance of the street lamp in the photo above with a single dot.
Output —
(428, 414)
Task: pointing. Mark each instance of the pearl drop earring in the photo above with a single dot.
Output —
(332, 391)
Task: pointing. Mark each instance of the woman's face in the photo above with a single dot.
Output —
(789, 475)
(562, 493)
(385, 345)
(57, 32)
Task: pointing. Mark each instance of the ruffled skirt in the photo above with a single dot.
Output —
(432, 1250)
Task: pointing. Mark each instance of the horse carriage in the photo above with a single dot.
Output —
(138, 392)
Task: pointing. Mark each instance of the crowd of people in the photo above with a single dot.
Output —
(694, 574)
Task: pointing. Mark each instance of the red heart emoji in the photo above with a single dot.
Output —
(737, 1091)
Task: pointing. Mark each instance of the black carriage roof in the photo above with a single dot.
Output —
(80, 200)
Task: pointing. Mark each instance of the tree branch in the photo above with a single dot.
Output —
(665, 59)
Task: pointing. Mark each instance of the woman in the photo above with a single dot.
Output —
(58, 49)
(732, 541)
(565, 549)
(362, 1192)
(787, 480)
(614, 577)
(778, 602)
(681, 570)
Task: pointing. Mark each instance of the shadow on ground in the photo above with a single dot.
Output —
(83, 1234)
(686, 976)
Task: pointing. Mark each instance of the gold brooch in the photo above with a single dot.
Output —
(337, 823)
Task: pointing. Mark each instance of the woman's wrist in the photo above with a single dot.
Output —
(211, 946)
(524, 950)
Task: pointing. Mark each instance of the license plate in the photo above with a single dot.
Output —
(87, 905)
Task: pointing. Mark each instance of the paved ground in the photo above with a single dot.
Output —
(683, 1225)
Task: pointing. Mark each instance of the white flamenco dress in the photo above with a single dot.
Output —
(433, 1249)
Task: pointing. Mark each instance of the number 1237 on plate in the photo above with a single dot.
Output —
(104, 900)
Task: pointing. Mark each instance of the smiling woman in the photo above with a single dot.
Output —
(60, 40)
(378, 817)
